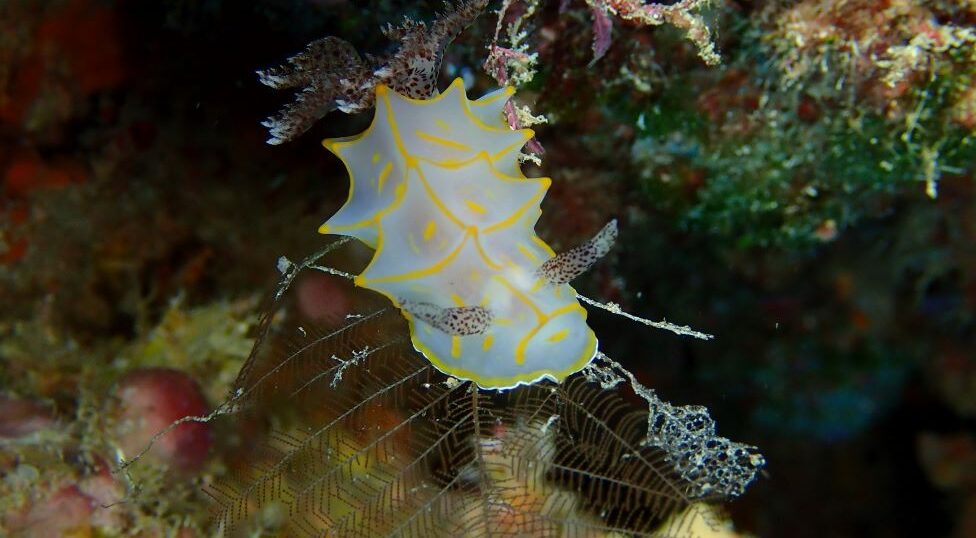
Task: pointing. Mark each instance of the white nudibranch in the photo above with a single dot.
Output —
(436, 190)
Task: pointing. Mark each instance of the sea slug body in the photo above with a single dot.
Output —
(436, 190)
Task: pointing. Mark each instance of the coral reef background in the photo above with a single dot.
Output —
(810, 201)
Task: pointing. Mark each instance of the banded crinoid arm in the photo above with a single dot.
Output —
(332, 75)
(455, 320)
(564, 267)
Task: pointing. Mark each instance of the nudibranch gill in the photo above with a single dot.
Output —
(437, 191)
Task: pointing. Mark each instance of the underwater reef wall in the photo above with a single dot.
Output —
(793, 177)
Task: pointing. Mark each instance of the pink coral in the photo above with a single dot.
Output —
(149, 401)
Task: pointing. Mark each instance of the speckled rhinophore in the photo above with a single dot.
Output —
(436, 189)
